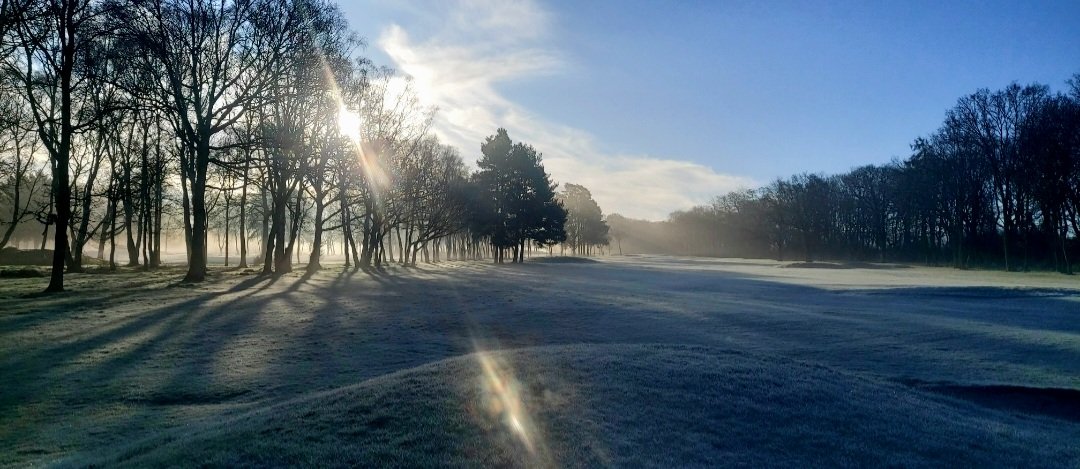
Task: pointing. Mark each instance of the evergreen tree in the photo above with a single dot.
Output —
(517, 198)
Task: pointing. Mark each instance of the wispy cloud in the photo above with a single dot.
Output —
(457, 51)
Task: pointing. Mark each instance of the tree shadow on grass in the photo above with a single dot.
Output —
(1059, 403)
(233, 347)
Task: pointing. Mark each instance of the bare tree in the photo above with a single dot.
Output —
(212, 61)
(21, 174)
(53, 38)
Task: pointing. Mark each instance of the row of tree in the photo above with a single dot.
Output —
(254, 120)
(997, 185)
(516, 198)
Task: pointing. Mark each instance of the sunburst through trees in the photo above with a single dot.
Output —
(253, 122)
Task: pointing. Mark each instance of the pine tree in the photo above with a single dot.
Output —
(517, 198)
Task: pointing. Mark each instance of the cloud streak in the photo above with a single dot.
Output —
(469, 46)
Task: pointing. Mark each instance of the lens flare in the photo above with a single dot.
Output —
(502, 395)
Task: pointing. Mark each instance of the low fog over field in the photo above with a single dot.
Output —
(633, 360)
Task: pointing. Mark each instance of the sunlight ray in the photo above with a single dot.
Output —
(350, 124)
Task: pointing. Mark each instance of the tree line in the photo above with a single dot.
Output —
(255, 121)
(998, 184)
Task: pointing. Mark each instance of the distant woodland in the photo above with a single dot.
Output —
(998, 185)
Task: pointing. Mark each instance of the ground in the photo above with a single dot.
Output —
(631, 361)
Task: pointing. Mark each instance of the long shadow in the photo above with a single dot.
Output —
(1053, 313)
(345, 327)
(59, 306)
(251, 282)
(1061, 319)
(815, 323)
(1051, 402)
(131, 325)
(499, 290)
(192, 331)
(584, 316)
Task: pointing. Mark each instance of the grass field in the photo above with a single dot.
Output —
(630, 361)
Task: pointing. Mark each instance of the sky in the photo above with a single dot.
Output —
(657, 106)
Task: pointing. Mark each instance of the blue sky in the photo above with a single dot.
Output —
(656, 106)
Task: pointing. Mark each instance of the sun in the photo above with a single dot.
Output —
(349, 123)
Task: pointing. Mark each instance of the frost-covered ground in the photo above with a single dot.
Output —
(630, 360)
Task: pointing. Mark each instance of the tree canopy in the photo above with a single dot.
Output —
(518, 202)
(585, 225)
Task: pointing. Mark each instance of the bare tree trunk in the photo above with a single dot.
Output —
(316, 243)
(61, 153)
(112, 240)
(282, 263)
(243, 215)
(226, 231)
(186, 202)
(144, 239)
(267, 236)
(155, 256)
(102, 236)
(368, 244)
(197, 264)
(62, 185)
(129, 215)
(345, 227)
